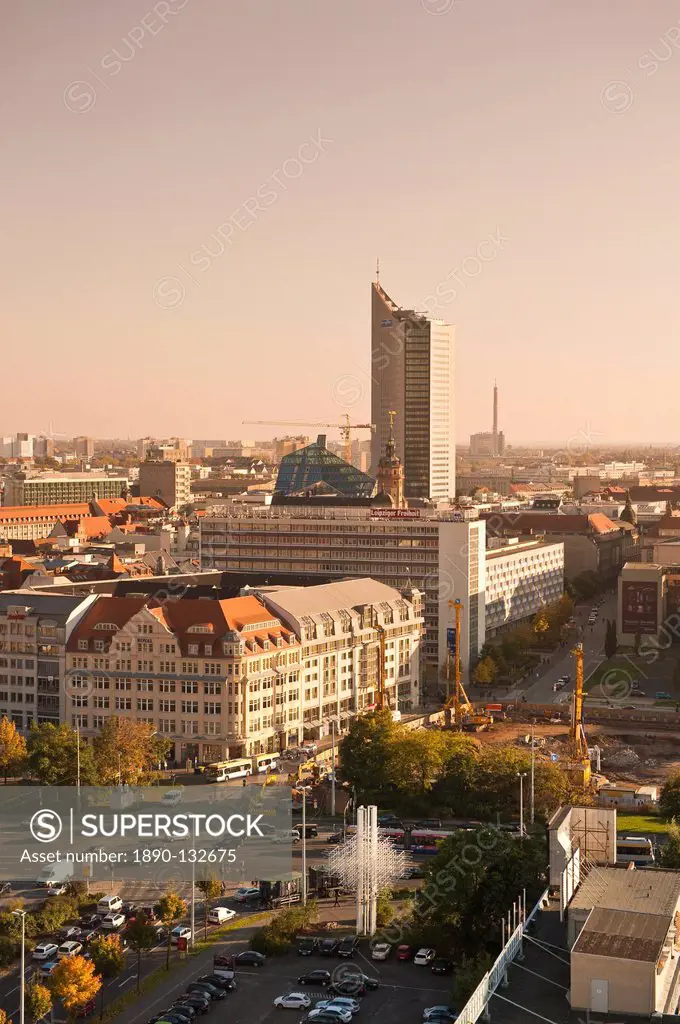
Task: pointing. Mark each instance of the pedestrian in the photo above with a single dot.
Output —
(244, 782)
(337, 897)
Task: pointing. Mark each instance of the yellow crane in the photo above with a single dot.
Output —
(458, 702)
(344, 426)
(579, 769)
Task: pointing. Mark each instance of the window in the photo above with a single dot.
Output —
(100, 645)
(212, 687)
(123, 684)
(190, 707)
(144, 704)
(212, 728)
(193, 648)
(165, 686)
(190, 668)
(123, 703)
(82, 645)
(207, 649)
(79, 721)
(190, 728)
(145, 685)
(100, 702)
(144, 646)
(166, 705)
(189, 687)
(212, 707)
(167, 666)
(79, 700)
(101, 683)
(166, 725)
(98, 721)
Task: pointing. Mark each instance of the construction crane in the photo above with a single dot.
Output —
(457, 702)
(345, 428)
(579, 769)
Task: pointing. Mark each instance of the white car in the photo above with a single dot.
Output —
(293, 1001)
(113, 921)
(344, 1002)
(180, 932)
(440, 1011)
(242, 895)
(340, 1012)
(424, 957)
(381, 951)
(56, 889)
(45, 951)
(68, 949)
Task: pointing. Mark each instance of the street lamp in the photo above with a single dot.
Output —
(22, 915)
(521, 776)
(304, 790)
(333, 723)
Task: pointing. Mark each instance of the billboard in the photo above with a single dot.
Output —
(639, 607)
(451, 639)
(395, 513)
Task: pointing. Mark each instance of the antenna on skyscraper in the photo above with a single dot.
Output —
(377, 270)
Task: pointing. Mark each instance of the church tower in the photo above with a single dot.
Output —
(390, 476)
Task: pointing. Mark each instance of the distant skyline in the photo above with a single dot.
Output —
(194, 196)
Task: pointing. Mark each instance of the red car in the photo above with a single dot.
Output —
(404, 952)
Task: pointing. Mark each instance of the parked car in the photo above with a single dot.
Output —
(345, 1002)
(244, 895)
(216, 993)
(87, 935)
(307, 946)
(227, 984)
(334, 838)
(404, 952)
(48, 968)
(68, 949)
(56, 889)
(441, 966)
(178, 1010)
(315, 978)
(218, 915)
(311, 831)
(424, 957)
(45, 951)
(337, 1012)
(86, 1009)
(293, 1001)
(348, 946)
(329, 947)
(250, 957)
(112, 922)
(662, 695)
(198, 1001)
(70, 931)
(109, 904)
(179, 932)
(381, 951)
(429, 823)
(354, 984)
(440, 1010)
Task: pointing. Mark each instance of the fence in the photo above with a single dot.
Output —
(476, 1004)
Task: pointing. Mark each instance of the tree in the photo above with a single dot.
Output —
(541, 624)
(669, 854)
(76, 982)
(669, 798)
(4, 1017)
(125, 751)
(485, 671)
(108, 957)
(171, 909)
(611, 642)
(211, 889)
(468, 976)
(141, 936)
(38, 1001)
(364, 752)
(52, 756)
(415, 760)
(12, 747)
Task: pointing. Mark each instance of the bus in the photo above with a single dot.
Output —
(634, 850)
(220, 771)
(428, 841)
(265, 762)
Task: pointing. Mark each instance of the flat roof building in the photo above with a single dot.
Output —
(62, 488)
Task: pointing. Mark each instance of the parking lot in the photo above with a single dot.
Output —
(405, 990)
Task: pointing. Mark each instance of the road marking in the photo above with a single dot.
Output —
(126, 980)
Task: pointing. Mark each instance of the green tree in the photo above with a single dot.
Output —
(211, 888)
(108, 957)
(669, 854)
(141, 936)
(364, 752)
(669, 798)
(415, 760)
(12, 747)
(384, 908)
(468, 976)
(456, 787)
(611, 642)
(171, 908)
(38, 1001)
(485, 671)
(52, 756)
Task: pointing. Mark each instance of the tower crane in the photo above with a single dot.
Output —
(580, 766)
(458, 702)
(344, 426)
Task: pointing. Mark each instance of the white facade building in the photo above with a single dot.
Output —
(521, 577)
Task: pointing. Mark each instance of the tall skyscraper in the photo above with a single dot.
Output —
(412, 374)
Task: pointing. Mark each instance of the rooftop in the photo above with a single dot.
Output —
(331, 596)
(649, 892)
(623, 935)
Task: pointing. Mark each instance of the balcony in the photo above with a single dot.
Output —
(48, 703)
(48, 685)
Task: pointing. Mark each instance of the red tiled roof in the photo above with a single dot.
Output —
(546, 522)
(601, 523)
(35, 512)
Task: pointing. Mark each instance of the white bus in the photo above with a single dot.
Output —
(220, 771)
(263, 762)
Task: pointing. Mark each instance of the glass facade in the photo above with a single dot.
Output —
(315, 468)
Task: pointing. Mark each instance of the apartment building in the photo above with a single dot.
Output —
(246, 675)
(34, 629)
(83, 447)
(61, 488)
(31, 522)
(442, 554)
(168, 480)
(521, 577)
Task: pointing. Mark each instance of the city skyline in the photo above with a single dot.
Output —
(527, 226)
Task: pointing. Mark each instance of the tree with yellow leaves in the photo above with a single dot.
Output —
(75, 981)
(12, 747)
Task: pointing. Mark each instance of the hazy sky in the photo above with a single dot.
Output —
(317, 136)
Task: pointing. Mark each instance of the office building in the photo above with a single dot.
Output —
(412, 374)
(165, 479)
(314, 469)
(34, 629)
(38, 488)
(31, 522)
(247, 675)
(521, 577)
(442, 554)
(84, 447)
